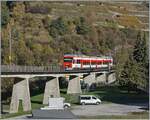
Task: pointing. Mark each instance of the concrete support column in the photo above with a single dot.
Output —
(67, 77)
(20, 92)
(90, 79)
(111, 77)
(101, 78)
(74, 85)
(51, 90)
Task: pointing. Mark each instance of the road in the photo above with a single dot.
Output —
(107, 109)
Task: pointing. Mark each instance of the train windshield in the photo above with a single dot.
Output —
(68, 59)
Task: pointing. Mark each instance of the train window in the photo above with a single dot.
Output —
(67, 59)
(74, 61)
(78, 61)
(93, 63)
(86, 63)
(105, 62)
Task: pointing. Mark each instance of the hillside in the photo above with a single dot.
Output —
(41, 32)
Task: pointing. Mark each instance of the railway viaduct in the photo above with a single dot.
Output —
(26, 73)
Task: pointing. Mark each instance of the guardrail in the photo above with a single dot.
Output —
(17, 68)
(46, 69)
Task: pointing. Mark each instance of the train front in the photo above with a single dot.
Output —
(68, 59)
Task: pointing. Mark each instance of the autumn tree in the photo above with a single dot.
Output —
(24, 56)
(5, 14)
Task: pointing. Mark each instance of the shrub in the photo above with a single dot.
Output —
(82, 27)
(38, 9)
(58, 27)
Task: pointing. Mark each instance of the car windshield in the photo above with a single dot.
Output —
(93, 97)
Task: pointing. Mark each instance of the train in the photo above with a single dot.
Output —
(86, 62)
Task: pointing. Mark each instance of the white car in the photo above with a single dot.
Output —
(89, 99)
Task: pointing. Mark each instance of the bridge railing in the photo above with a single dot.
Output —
(17, 68)
(45, 69)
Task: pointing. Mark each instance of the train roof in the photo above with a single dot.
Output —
(81, 55)
(76, 55)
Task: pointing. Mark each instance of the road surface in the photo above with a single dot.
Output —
(107, 109)
(102, 109)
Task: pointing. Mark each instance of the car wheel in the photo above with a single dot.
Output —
(97, 103)
(83, 103)
(66, 106)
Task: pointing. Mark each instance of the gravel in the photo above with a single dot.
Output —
(107, 109)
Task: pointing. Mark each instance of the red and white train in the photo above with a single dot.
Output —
(86, 62)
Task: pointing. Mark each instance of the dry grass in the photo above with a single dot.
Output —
(129, 21)
(119, 9)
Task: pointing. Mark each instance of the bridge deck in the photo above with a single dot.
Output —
(9, 70)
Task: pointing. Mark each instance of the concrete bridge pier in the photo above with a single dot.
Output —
(101, 78)
(51, 89)
(111, 77)
(20, 92)
(74, 86)
(90, 79)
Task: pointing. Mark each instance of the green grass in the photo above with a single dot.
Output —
(36, 103)
(112, 94)
(15, 114)
(108, 94)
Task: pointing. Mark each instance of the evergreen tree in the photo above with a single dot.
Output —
(136, 71)
(140, 49)
(140, 56)
(82, 27)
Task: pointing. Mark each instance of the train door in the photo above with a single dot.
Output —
(78, 63)
(81, 62)
(96, 62)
